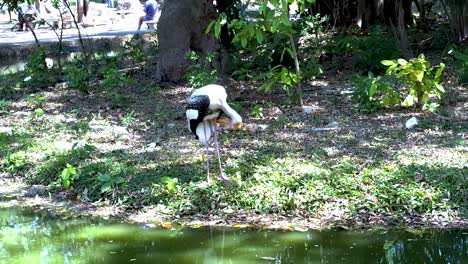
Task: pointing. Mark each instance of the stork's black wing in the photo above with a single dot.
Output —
(200, 103)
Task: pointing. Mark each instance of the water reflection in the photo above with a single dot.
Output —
(36, 238)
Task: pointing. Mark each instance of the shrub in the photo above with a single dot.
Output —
(37, 71)
(77, 74)
(374, 48)
(419, 75)
(371, 93)
(461, 64)
(200, 73)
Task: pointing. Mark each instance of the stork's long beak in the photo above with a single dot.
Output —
(228, 123)
(223, 122)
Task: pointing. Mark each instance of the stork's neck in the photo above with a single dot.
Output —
(235, 117)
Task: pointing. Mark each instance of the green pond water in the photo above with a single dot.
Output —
(27, 237)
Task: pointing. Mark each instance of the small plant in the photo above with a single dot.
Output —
(39, 112)
(171, 184)
(128, 119)
(419, 75)
(36, 101)
(77, 75)
(37, 70)
(461, 65)
(16, 161)
(4, 105)
(374, 48)
(113, 79)
(372, 93)
(109, 182)
(278, 74)
(134, 51)
(67, 176)
(257, 112)
(200, 73)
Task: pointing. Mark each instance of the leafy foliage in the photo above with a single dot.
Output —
(4, 105)
(419, 75)
(16, 161)
(373, 93)
(378, 45)
(278, 74)
(114, 80)
(109, 182)
(77, 74)
(171, 184)
(67, 176)
(273, 18)
(37, 71)
(368, 48)
(461, 63)
(200, 72)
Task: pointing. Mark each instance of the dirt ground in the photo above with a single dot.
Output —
(329, 125)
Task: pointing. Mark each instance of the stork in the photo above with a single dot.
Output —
(204, 110)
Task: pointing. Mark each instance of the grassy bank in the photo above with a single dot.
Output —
(334, 164)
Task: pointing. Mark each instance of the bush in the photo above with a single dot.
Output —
(38, 73)
(419, 76)
(372, 93)
(77, 74)
(200, 73)
(461, 64)
(377, 46)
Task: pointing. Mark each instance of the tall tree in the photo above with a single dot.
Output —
(459, 19)
(181, 28)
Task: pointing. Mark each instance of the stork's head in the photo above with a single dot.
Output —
(230, 123)
(234, 121)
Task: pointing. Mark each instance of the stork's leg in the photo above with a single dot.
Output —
(208, 180)
(221, 173)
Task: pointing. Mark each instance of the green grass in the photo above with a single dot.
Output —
(289, 169)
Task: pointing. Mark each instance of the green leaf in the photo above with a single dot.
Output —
(401, 74)
(275, 3)
(439, 71)
(119, 180)
(372, 90)
(243, 38)
(217, 30)
(388, 62)
(391, 69)
(402, 62)
(285, 20)
(104, 178)
(439, 87)
(166, 179)
(106, 187)
(425, 98)
(66, 184)
(39, 112)
(419, 75)
(259, 35)
(274, 25)
(210, 26)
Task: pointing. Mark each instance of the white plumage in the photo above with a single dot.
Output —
(204, 109)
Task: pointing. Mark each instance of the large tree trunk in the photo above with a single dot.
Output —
(340, 12)
(459, 19)
(399, 30)
(181, 28)
(370, 12)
